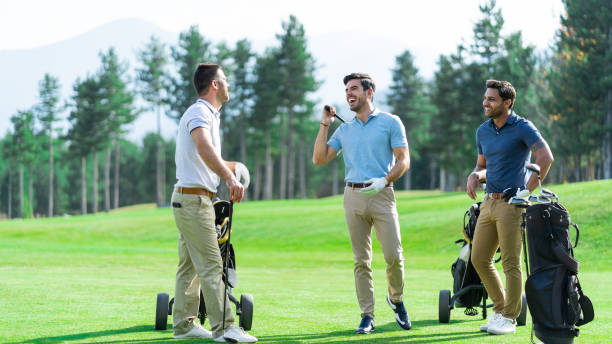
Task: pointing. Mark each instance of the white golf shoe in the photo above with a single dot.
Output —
(491, 321)
(235, 335)
(197, 331)
(502, 326)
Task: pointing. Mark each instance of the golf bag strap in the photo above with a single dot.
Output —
(588, 313)
(577, 233)
(559, 252)
(570, 263)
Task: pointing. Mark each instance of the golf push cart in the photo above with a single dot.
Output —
(244, 307)
(468, 290)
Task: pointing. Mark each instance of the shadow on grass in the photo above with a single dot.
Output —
(349, 336)
(335, 337)
(97, 334)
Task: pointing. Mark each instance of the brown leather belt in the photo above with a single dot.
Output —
(494, 195)
(362, 185)
(195, 191)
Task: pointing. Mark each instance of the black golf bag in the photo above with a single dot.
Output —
(554, 295)
(462, 269)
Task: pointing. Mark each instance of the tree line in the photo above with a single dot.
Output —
(271, 121)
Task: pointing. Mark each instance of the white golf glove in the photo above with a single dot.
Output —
(377, 185)
(242, 174)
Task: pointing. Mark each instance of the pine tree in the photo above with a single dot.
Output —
(116, 102)
(24, 138)
(48, 113)
(408, 100)
(192, 49)
(151, 76)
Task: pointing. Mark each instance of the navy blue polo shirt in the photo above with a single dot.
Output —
(506, 151)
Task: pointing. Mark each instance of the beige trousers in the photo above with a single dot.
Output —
(200, 266)
(499, 225)
(361, 214)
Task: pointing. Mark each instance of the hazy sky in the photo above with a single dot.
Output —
(28, 24)
(427, 27)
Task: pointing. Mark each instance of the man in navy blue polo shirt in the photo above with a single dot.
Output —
(375, 153)
(505, 143)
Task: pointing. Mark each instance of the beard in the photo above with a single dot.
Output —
(495, 112)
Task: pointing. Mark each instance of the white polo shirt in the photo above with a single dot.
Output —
(191, 170)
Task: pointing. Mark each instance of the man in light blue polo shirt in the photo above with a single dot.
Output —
(375, 153)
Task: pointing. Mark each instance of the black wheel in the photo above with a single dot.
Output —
(161, 312)
(444, 306)
(246, 311)
(522, 318)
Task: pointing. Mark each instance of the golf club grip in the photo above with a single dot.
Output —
(328, 109)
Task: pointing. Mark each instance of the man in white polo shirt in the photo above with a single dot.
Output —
(199, 167)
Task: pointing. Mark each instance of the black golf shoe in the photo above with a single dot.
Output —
(365, 326)
(401, 317)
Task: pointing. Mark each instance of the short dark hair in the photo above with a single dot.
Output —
(365, 79)
(204, 75)
(505, 89)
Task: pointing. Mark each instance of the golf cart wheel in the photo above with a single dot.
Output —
(522, 318)
(246, 311)
(161, 312)
(444, 306)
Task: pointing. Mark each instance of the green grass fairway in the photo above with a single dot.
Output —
(94, 278)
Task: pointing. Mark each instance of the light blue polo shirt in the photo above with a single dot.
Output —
(368, 147)
(506, 151)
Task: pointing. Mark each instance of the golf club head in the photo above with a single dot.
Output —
(519, 202)
(522, 193)
(548, 193)
(544, 200)
(534, 168)
(533, 198)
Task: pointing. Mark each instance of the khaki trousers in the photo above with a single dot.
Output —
(200, 266)
(499, 225)
(361, 213)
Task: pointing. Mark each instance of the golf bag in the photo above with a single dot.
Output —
(462, 269)
(554, 295)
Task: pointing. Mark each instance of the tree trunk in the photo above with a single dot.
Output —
(21, 196)
(256, 194)
(95, 183)
(83, 186)
(442, 179)
(578, 161)
(30, 192)
(269, 168)
(159, 174)
(607, 141)
(283, 164)
(290, 158)
(116, 185)
(432, 175)
(50, 208)
(302, 166)
(107, 165)
(408, 180)
(10, 191)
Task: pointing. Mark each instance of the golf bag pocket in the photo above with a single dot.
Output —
(548, 298)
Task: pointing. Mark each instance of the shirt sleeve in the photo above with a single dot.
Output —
(398, 134)
(530, 134)
(335, 141)
(199, 119)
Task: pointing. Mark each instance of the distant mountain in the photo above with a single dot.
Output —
(337, 54)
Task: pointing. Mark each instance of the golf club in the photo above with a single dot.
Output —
(327, 108)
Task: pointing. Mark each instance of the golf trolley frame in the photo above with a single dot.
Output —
(244, 307)
(446, 303)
